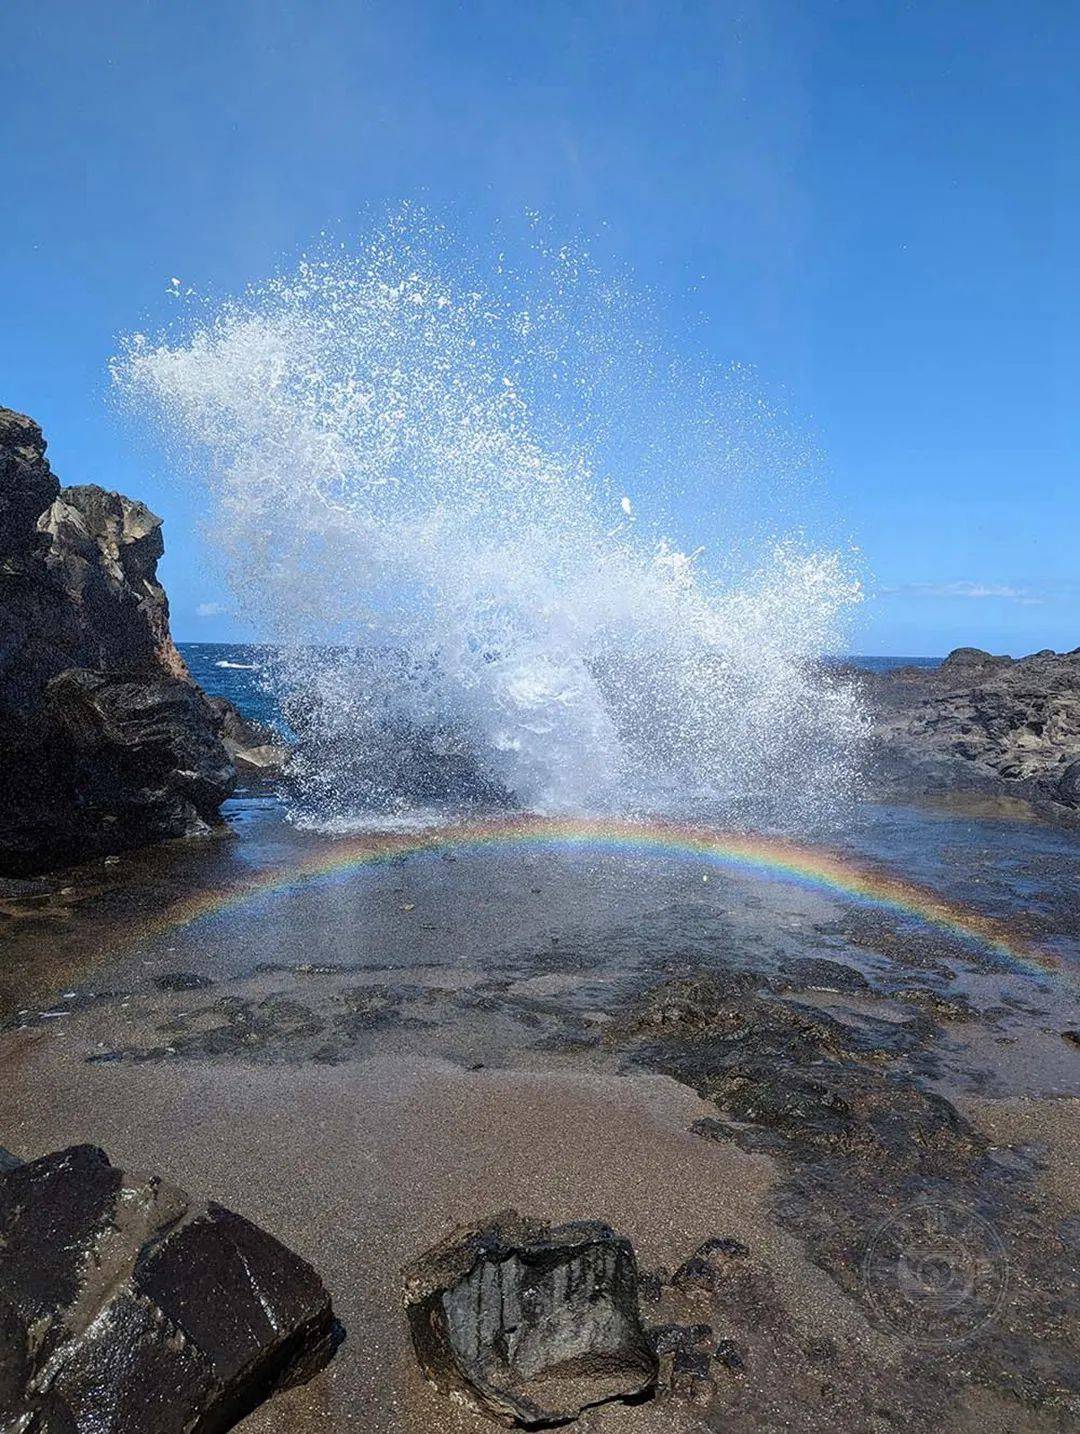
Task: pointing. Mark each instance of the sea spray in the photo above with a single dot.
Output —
(405, 473)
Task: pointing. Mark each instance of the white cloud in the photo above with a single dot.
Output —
(210, 609)
(1004, 592)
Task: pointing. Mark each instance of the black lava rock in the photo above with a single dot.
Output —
(530, 1324)
(125, 1308)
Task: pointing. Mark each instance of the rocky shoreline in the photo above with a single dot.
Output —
(782, 1162)
(106, 742)
(769, 1149)
(995, 726)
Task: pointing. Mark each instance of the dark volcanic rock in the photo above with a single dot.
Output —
(254, 748)
(109, 761)
(105, 741)
(530, 1324)
(1068, 785)
(27, 484)
(817, 974)
(125, 1308)
(667, 1338)
(982, 724)
(873, 1161)
(691, 1376)
(182, 981)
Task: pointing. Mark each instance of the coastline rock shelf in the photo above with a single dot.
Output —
(106, 742)
(993, 725)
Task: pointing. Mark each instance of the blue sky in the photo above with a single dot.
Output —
(873, 204)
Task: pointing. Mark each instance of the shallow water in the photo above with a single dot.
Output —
(605, 923)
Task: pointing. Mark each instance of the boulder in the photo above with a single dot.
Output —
(529, 1324)
(966, 657)
(126, 1307)
(105, 740)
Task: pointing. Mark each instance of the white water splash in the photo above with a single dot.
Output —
(404, 480)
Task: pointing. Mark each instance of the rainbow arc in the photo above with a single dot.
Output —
(737, 853)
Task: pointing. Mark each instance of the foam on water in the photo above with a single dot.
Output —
(405, 483)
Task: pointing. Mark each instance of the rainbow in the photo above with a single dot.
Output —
(737, 853)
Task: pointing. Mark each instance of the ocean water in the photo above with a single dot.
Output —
(507, 545)
(236, 671)
(243, 673)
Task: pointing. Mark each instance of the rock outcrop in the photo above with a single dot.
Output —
(105, 740)
(125, 1307)
(528, 1324)
(981, 723)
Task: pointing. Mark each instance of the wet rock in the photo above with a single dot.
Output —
(530, 1324)
(691, 1376)
(255, 748)
(949, 1010)
(399, 764)
(763, 1095)
(690, 1006)
(182, 981)
(8, 1161)
(787, 1080)
(861, 1144)
(818, 974)
(711, 1266)
(126, 1307)
(104, 761)
(710, 1129)
(728, 1353)
(666, 1338)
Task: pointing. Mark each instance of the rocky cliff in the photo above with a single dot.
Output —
(980, 723)
(105, 740)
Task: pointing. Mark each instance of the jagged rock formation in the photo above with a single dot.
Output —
(105, 740)
(981, 723)
(528, 1324)
(125, 1307)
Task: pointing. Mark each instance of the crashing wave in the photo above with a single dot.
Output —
(463, 610)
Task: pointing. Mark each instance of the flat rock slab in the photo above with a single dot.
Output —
(530, 1324)
(126, 1308)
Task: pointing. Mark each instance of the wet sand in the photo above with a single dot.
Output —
(360, 1168)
